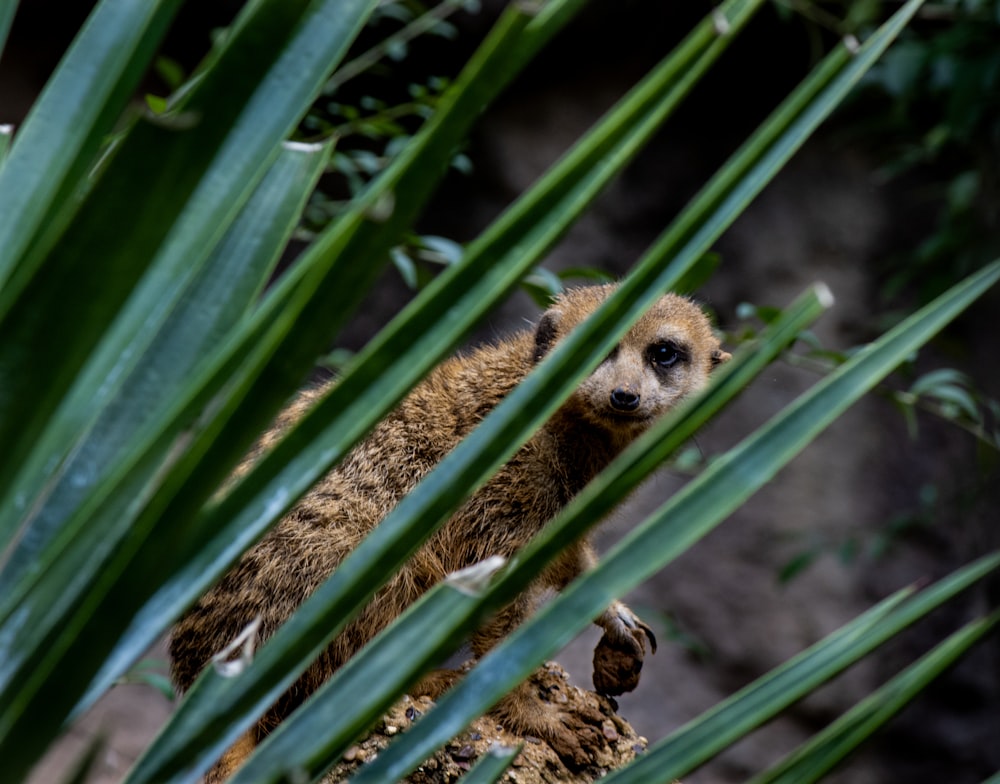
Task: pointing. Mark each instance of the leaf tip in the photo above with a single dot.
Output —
(472, 580)
(720, 22)
(824, 295)
(243, 645)
(303, 146)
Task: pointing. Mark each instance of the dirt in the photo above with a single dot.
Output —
(536, 763)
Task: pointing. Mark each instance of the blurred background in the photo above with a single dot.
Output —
(892, 201)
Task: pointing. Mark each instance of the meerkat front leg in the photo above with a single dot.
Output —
(575, 735)
(619, 655)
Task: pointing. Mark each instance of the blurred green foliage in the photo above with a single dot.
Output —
(931, 110)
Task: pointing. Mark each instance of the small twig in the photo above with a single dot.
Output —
(814, 13)
(414, 29)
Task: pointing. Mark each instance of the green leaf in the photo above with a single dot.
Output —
(797, 565)
(726, 722)
(160, 177)
(365, 681)
(7, 11)
(156, 680)
(85, 766)
(213, 302)
(811, 761)
(491, 766)
(680, 522)
(229, 287)
(6, 132)
(941, 377)
(699, 274)
(368, 682)
(58, 613)
(955, 401)
(57, 144)
(491, 265)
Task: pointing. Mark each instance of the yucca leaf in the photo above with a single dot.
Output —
(675, 526)
(219, 298)
(216, 299)
(7, 11)
(56, 145)
(427, 635)
(762, 700)
(54, 625)
(246, 256)
(47, 612)
(491, 766)
(457, 596)
(84, 767)
(420, 336)
(524, 409)
(811, 761)
(163, 176)
(6, 132)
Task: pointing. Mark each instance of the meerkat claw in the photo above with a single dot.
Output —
(649, 636)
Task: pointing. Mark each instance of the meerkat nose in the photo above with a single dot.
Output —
(624, 400)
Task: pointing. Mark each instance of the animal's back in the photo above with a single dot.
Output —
(275, 576)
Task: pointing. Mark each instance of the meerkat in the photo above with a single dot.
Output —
(665, 357)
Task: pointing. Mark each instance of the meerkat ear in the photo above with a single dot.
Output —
(546, 333)
(719, 356)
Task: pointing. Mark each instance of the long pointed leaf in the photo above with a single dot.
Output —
(420, 336)
(63, 630)
(254, 242)
(457, 595)
(431, 637)
(689, 515)
(823, 751)
(166, 174)
(60, 137)
(250, 53)
(491, 766)
(7, 12)
(762, 700)
(526, 407)
(214, 301)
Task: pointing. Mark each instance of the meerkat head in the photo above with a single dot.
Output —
(665, 357)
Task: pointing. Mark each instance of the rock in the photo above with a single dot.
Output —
(536, 764)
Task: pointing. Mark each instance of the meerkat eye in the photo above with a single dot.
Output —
(665, 355)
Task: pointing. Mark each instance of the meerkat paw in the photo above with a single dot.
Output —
(619, 655)
(575, 735)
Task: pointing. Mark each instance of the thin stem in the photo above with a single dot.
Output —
(413, 30)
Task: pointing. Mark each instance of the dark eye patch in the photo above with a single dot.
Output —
(665, 354)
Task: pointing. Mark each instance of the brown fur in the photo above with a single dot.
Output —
(274, 577)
